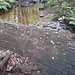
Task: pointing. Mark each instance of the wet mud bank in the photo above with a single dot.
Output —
(52, 51)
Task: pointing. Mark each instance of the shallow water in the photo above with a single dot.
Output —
(26, 15)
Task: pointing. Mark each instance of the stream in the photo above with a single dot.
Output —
(30, 16)
(26, 15)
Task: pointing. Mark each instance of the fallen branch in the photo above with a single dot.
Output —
(4, 60)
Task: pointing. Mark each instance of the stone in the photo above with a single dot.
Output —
(20, 16)
(53, 26)
(41, 8)
(41, 15)
(45, 26)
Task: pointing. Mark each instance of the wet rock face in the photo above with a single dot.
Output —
(8, 41)
(48, 49)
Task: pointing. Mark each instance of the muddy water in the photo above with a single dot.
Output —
(26, 15)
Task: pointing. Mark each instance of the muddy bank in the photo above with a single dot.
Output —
(53, 51)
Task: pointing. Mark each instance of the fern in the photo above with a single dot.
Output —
(72, 22)
(11, 1)
(50, 3)
(64, 4)
(72, 18)
(4, 5)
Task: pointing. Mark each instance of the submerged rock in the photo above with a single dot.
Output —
(41, 15)
(45, 26)
(17, 5)
(53, 26)
(41, 8)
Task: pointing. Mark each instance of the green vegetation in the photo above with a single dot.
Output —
(50, 3)
(65, 9)
(11, 1)
(5, 4)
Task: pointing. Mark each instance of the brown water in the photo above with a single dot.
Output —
(26, 15)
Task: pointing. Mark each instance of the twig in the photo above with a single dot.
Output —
(4, 60)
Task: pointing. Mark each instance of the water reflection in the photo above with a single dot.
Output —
(24, 15)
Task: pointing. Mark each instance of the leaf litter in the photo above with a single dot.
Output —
(13, 64)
